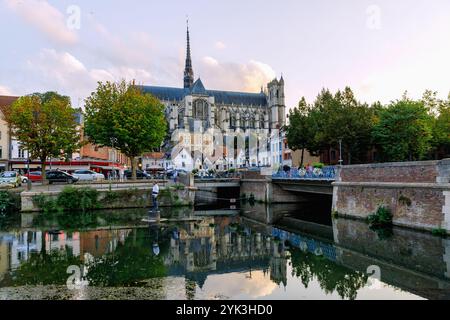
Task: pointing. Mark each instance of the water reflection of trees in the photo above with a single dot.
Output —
(9, 220)
(130, 264)
(331, 276)
(44, 268)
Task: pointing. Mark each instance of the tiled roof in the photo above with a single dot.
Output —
(154, 155)
(7, 100)
(228, 97)
(221, 97)
(198, 88)
(166, 93)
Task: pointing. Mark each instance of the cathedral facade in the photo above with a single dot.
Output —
(221, 129)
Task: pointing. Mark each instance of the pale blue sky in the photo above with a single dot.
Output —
(379, 48)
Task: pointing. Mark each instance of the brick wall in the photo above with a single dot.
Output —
(420, 172)
(415, 192)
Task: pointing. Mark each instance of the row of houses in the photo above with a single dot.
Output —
(13, 155)
(204, 155)
(275, 154)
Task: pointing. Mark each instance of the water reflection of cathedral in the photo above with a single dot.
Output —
(216, 246)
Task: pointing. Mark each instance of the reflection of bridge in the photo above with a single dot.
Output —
(422, 269)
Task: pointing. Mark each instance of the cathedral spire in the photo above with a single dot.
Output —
(188, 71)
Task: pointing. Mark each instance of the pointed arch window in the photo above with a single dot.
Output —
(200, 110)
(232, 121)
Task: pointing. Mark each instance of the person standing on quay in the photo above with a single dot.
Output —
(155, 192)
(121, 174)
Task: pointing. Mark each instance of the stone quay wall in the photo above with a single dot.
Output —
(417, 193)
(121, 198)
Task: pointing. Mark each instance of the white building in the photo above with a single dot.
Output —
(224, 126)
(156, 161)
(182, 160)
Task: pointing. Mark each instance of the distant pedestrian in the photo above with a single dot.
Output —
(121, 173)
(175, 175)
(155, 193)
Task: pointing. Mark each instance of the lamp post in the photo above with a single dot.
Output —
(340, 152)
(113, 140)
(28, 172)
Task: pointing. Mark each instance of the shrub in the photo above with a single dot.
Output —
(439, 232)
(251, 199)
(318, 165)
(243, 198)
(383, 217)
(179, 186)
(110, 196)
(194, 171)
(9, 201)
(335, 214)
(46, 204)
(404, 200)
(72, 199)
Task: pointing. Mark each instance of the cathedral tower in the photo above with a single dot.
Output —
(188, 71)
(276, 103)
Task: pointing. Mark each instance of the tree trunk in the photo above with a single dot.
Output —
(133, 168)
(301, 161)
(43, 243)
(43, 175)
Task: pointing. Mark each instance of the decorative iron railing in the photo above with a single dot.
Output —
(325, 173)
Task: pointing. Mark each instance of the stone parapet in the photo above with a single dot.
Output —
(417, 193)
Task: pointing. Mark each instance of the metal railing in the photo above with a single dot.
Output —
(325, 173)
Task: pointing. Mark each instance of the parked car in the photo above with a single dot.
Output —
(140, 175)
(60, 176)
(88, 175)
(10, 177)
(33, 176)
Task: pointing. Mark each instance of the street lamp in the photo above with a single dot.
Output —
(340, 152)
(113, 141)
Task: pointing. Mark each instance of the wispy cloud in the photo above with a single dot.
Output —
(60, 70)
(134, 50)
(220, 45)
(5, 91)
(44, 17)
(248, 76)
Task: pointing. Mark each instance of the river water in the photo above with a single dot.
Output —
(217, 254)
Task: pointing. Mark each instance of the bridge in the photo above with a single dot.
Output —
(210, 191)
(317, 180)
(202, 183)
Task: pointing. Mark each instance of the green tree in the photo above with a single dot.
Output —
(441, 128)
(120, 115)
(299, 132)
(353, 124)
(403, 131)
(440, 111)
(44, 124)
(341, 117)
